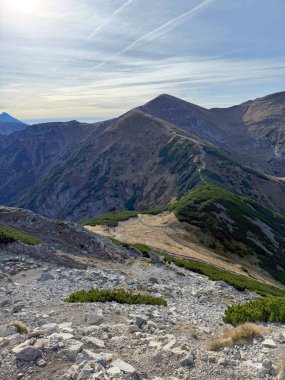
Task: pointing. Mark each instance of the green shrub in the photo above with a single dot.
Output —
(9, 235)
(240, 282)
(120, 296)
(112, 218)
(269, 309)
(141, 247)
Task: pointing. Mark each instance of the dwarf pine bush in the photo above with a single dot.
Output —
(120, 296)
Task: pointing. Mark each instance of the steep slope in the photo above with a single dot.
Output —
(27, 156)
(236, 224)
(9, 124)
(24, 233)
(123, 167)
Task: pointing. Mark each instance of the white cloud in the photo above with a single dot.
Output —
(103, 57)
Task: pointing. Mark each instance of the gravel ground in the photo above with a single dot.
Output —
(142, 341)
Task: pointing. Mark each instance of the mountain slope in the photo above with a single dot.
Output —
(253, 131)
(9, 124)
(25, 233)
(213, 225)
(148, 157)
(123, 167)
(236, 224)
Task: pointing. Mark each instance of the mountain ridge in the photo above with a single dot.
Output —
(144, 158)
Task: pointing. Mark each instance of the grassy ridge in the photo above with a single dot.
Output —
(9, 235)
(269, 309)
(112, 218)
(230, 224)
(240, 282)
(120, 296)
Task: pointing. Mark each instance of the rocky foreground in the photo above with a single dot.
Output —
(117, 341)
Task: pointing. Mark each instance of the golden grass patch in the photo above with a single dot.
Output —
(234, 335)
(21, 328)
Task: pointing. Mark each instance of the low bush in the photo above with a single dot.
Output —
(9, 235)
(112, 218)
(141, 247)
(120, 296)
(269, 309)
(240, 282)
(232, 336)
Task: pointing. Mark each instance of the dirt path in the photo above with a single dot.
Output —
(166, 233)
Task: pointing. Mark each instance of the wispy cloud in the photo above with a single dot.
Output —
(110, 55)
(160, 31)
(97, 29)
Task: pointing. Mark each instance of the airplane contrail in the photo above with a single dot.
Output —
(160, 31)
(106, 20)
(93, 33)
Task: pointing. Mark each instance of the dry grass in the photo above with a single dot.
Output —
(21, 328)
(188, 326)
(165, 233)
(281, 370)
(231, 336)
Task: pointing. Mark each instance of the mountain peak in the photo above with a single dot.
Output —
(8, 124)
(6, 118)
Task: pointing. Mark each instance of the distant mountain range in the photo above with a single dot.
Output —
(147, 157)
(9, 124)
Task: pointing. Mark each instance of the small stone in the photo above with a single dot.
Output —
(46, 277)
(41, 363)
(95, 342)
(123, 366)
(188, 361)
(269, 343)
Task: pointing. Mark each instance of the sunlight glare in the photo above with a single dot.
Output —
(25, 6)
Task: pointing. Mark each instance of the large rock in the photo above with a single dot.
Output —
(46, 276)
(125, 368)
(95, 318)
(28, 353)
(101, 358)
(73, 350)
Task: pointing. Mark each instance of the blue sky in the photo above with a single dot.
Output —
(95, 59)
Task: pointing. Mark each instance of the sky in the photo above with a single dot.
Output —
(95, 59)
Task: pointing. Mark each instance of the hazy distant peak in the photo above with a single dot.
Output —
(8, 124)
(6, 118)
